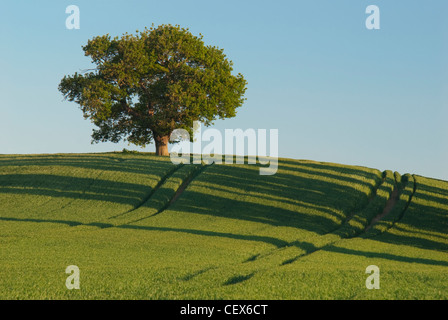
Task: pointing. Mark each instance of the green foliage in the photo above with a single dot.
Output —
(148, 84)
(126, 151)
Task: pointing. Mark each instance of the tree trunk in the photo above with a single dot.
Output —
(162, 145)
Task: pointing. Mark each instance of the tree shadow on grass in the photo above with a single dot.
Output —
(238, 279)
(386, 256)
(268, 240)
(31, 175)
(119, 162)
(333, 170)
(296, 194)
(222, 207)
(316, 184)
(73, 187)
(69, 223)
(307, 247)
(425, 222)
(239, 192)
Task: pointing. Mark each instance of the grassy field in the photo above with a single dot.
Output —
(139, 227)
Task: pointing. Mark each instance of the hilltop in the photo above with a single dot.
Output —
(139, 227)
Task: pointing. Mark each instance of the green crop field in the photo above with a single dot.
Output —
(139, 227)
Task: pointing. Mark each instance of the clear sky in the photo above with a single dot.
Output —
(336, 91)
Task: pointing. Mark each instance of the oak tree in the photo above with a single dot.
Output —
(147, 84)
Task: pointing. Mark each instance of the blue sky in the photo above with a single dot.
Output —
(336, 91)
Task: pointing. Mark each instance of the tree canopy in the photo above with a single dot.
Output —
(147, 84)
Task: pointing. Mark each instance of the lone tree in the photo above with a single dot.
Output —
(146, 85)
